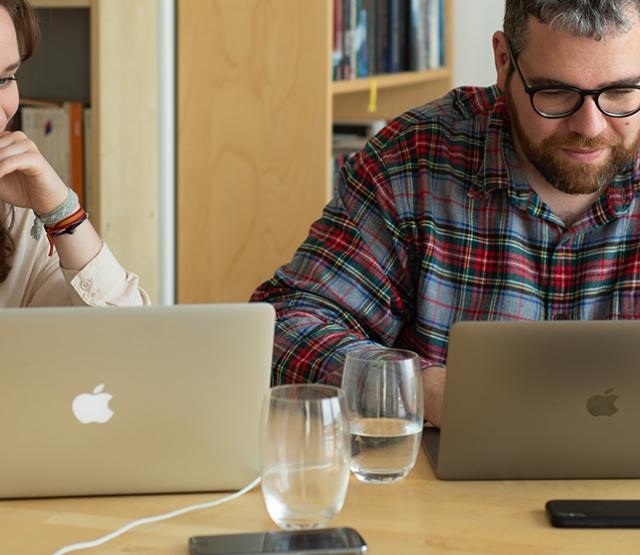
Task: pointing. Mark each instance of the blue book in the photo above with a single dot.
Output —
(369, 7)
(362, 54)
(393, 51)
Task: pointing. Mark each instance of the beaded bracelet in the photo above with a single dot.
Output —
(66, 226)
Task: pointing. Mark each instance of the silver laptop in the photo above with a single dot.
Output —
(540, 400)
(132, 400)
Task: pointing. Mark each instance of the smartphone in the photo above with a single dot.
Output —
(594, 513)
(322, 541)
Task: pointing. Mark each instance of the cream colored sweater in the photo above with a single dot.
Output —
(37, 279)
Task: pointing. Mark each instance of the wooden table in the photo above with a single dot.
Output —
(419, 515)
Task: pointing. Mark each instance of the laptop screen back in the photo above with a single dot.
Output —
(541, 400)
(132, 400)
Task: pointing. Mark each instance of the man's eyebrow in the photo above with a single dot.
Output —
(545, 82)
(11, 67)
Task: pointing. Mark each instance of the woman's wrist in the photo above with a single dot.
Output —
(46, 204)
(66, 208)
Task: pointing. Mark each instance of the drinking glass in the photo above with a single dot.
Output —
(384, 395)
(304, 454)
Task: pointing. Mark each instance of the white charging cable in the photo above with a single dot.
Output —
(150, 519)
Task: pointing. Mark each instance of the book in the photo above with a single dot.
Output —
(382, 37)
(433, 18)
(373, 37)
(362, 52)
(393, 48)
(369, 7)
(417, 30)
(338, 41)
(353, 50)
(347, 39)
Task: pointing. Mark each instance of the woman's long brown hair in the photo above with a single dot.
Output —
(26, 25)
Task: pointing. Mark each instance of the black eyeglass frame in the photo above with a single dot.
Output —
(531, 91)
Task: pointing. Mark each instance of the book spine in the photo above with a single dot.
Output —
(369, 7)
(424, 44)
(393, 50)
(346, 39)
(434, 39)
(336, 61)
(382, 39)
(362, 51)
(416, 31)
(403, 40)
(353, 51)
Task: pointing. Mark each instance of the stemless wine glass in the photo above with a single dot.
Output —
(304, 454)
(384, 395)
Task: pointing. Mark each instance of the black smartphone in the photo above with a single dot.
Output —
(322, 541)
(594, 513)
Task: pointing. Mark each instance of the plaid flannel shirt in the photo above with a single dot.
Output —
(434, 222)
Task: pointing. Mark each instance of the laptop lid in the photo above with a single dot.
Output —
(528, 400)
(132, 400)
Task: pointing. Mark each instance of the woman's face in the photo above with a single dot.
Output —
(9, 63)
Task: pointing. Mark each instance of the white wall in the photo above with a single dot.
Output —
(474, 23)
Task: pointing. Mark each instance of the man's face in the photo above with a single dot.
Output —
(581, 153)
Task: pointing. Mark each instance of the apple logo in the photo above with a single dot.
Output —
(602, 405)
(93, 407)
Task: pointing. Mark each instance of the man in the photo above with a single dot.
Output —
(513, 202)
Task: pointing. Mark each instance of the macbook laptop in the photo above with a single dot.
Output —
(540, 400)
(132, 400)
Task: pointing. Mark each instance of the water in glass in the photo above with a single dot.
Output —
(383, 449)
(383, 389)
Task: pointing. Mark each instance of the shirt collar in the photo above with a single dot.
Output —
(500, 169)
(493, 173)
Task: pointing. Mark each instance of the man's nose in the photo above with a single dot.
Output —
(588, 121)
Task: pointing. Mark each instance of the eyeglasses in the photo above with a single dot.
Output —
(560, 101)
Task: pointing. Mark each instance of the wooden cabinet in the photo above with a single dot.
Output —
(123, 204)
(255, 108)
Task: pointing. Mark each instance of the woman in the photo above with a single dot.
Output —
(50, 254)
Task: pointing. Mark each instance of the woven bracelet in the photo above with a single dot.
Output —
(65, 209)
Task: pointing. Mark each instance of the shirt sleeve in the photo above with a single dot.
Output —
(102, 282)
(350, 283)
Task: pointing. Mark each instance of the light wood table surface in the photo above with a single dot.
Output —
(419, 515)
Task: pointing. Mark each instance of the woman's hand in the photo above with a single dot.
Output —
(26, 178)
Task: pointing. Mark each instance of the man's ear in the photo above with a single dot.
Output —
(501, 58)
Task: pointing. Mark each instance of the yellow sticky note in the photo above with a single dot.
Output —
(373, 96)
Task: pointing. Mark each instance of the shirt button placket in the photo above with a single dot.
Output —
(561, 265)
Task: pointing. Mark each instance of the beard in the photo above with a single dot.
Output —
(568, 176)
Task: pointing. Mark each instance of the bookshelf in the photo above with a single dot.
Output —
(389, 82)
(396, 92)
(123, 200)
(255, 121)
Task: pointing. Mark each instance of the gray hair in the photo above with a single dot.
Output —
(592, 19)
